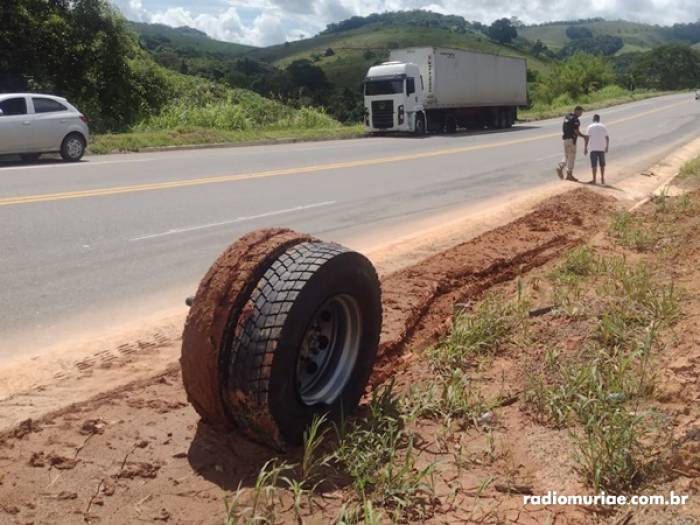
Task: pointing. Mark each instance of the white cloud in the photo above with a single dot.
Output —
(274, 21)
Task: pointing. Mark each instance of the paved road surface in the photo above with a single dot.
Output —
(133, 233)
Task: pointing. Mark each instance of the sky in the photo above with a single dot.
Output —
(266, 22)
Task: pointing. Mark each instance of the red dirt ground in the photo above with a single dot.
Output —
(141, 453)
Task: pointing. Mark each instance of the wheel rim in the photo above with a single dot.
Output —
(329, 351)
(74, 147)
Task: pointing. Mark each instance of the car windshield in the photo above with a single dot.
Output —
(383, 87)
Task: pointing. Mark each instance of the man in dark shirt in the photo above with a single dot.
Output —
(570, 132)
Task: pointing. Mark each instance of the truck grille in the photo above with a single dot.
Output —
(383, 114)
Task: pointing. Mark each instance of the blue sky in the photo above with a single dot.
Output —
(265, 22)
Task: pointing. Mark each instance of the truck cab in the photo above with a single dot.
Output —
(394, 94)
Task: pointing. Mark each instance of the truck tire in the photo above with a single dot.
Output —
(307, 346)
(450, 124)
(420, 127)
(511, 117)
(216, 307)
(300, 344)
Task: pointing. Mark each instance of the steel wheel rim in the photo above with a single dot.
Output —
(329, 350)
(74, 147)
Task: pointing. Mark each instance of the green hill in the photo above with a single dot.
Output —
(354, 51)
(186, 49)
(636, 36)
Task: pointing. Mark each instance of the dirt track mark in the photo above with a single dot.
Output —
(419, 301)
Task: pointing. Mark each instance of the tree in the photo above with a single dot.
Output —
(576, 32)
(673, 66)
(79, 49)
(606, 45)
(306, 75)
(502, 31)
(538, 48)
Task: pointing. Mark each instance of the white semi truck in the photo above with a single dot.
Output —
(427, 89)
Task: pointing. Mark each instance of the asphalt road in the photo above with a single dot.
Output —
(123, 235)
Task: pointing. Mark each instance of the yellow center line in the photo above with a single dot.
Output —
(115, 190)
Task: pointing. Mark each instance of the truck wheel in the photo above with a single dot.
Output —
(302, 342)
(307, 346)
(510, 119)
(220, 299)
(420, 127)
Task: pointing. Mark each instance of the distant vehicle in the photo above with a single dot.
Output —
(697, 95)
(32, 124)
(428, 89)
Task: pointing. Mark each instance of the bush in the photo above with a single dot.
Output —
(209, 105)
(579, 75)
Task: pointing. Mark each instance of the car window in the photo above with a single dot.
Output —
(47, 105)
(13, 106)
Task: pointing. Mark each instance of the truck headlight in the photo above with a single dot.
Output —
(401, 114)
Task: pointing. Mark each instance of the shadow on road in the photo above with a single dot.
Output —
(14, 161)
(465, 133)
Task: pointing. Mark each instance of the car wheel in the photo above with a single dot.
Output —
(73, 148)
(29, 157)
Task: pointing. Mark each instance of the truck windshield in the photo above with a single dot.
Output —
(383, 87)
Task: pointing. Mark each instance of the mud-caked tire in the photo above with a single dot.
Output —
(216, 308)
(283, 328)
(307, 344)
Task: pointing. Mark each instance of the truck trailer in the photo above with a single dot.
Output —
(428, 89)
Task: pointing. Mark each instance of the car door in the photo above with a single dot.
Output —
(49, 123)
(15, 126)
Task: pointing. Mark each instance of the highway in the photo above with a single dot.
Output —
(121, 235)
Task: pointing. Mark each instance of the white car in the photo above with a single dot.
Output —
(32, 124)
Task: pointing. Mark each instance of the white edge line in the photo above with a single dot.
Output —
(232, 221)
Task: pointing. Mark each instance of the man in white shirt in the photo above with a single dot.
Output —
(598, 143)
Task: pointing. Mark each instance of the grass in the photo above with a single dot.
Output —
(204, 112)
(690, 169)
(636, 36)
(378, 454)
(595, 391)
(450, 399)
(475, 334)
(264, 501)
(192, 136)
(603, 98)
(631, 232)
